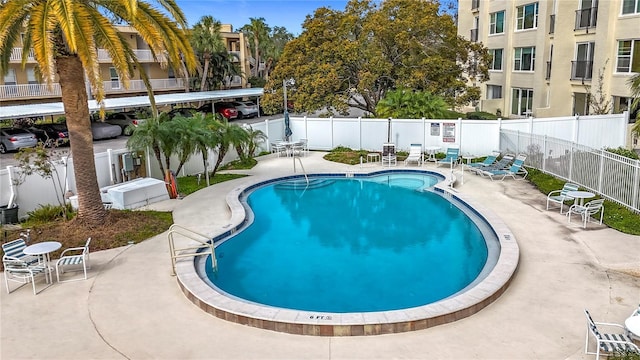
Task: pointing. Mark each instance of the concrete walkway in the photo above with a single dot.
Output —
(131, 308)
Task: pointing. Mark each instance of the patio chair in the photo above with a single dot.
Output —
(504, 163)
(74, 258)
(587, 211)
(488, 161)
(560, 196)
(607, 342)
(14, 249)
(451, 157)
(517, 168)
(279, 148)
(389, 154)
(415, 155)
(18, 270)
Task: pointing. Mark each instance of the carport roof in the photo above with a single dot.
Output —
(19, 111)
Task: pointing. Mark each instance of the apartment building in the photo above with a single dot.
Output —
(23, 86)
(548, 53)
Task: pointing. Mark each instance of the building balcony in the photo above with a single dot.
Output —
(40, 91)
(28, 91)
(233, 81)
(141, 55)
(548, 72)
(581, 70)
(115, 87)
(552, 24)
(474, 35)
(16, 55)
(586, 18)
(475, 5)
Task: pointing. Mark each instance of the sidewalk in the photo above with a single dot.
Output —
(131, 308)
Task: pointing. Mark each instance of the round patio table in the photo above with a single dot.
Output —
(43, 250)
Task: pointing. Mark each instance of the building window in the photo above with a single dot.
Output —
(630, 7)
(494, 92)
(587, 15)
(628, 59)
(496, 25)
(621, 104)
(581, 103)
(171, 74)
(525, 59)
(522, 101)
(115, 79)
(582, 66)
(496, 59)
(527, 17)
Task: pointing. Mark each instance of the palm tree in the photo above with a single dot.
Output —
(247, 148)
(206, 40)
(65, 37)
(257, 31)
(634, 84)
(152, 134)
(227, 134)
(205, 138)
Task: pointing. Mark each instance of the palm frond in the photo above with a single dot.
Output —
(63, 11)
(41, 25)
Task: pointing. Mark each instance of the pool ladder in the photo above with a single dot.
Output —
(205, 243)
(302, 166)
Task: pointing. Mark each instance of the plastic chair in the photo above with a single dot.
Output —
(587, 210)
(560, 196)
(607, 342)
(67, 259)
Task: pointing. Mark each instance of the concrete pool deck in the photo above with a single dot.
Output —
(131, 308)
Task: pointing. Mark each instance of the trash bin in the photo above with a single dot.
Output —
(8, 215)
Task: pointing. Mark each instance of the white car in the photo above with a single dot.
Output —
(246, 109)
(101, 130)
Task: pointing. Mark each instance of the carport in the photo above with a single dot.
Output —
(57, 108)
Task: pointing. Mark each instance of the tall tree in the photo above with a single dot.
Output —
(207, 41)
(257, 32)
(634, 84)
(353, 57)
(65, 37)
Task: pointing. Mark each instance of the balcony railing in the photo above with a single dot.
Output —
(474, 35)
(26, 91)
(552, 24)
(111, 86)
(142, 55)
(16, 55)
(581, 70)
(548, 73)
(475, 4)
(586, 18)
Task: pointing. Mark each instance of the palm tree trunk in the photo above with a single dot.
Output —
(205, 71)
(74, 98)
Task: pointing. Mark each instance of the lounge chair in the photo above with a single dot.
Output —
(560, 196)
(607, 342)
(451, 157)
(15, 249)
(389, 154)
(74, 257)
(488, 161)
(504, 163)
(415, 155)
(517, 168)
(587, 210)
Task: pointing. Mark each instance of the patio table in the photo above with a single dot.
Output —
(43, 251)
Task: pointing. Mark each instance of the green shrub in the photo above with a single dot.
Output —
(48, 213)
(452, 114)
(341, 149)
(624, 152)
(481, 115)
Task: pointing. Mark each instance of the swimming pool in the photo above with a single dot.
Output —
(374, 243)
(493, 279)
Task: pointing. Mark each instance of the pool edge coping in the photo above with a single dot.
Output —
(352, 324)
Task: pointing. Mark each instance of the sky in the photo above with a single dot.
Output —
(284, 13)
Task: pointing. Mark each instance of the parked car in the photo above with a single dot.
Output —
(126, 120)
(102, 130)
(223, 108)
(14, 139)
(183, 111)
(246, 109)
(51, 134)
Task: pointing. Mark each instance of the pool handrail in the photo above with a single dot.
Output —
(181, 230)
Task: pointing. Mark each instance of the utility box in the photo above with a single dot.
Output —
(8, 215)
(127, 162)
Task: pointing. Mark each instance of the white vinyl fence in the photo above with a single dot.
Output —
(615, 177)
(476, 137)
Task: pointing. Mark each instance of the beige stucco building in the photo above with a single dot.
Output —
(547, 53)
(22, 86)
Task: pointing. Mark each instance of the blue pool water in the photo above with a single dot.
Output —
(351, 245)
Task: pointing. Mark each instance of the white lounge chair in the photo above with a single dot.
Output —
(77, 257)
(389, 154)
(415, 155)
(560, 196)
(607, 342)
(587, 211)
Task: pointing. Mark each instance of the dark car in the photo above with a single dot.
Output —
(101, 130)
(14, 139)
(223, 108)
(51, 134)
(183, 111)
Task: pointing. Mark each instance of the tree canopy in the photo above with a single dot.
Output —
(353, 57)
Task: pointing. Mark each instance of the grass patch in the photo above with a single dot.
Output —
(346, 155)
(189, 184)
(615, 216)
(240, 165)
